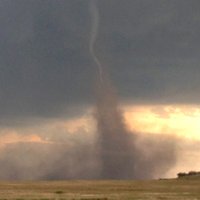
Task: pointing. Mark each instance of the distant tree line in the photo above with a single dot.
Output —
(190, 173)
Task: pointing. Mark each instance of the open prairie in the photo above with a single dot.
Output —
(101, 190)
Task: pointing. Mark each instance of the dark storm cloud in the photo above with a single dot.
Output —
(150, 47)
(44, 60)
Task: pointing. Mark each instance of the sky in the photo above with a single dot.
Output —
(48, 86)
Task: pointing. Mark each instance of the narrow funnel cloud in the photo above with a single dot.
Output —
(93, 35)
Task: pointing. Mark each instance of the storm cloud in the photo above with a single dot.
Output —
(151, 50)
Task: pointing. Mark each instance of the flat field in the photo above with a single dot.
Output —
(181, 189)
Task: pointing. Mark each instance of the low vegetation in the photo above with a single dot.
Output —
(190, 174)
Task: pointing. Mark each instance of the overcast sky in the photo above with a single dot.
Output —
(150, 48)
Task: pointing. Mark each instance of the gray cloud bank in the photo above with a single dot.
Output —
(150, 47)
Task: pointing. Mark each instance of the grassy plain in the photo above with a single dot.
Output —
(181, 189)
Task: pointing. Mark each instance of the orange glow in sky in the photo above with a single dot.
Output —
(177, 120)
(13, 137)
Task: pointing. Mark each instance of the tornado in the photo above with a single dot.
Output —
(121, 155)
(116, 151)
